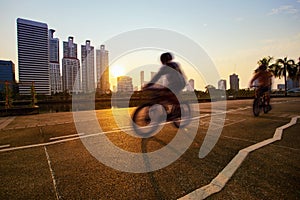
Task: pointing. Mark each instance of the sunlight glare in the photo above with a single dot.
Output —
(117, 71)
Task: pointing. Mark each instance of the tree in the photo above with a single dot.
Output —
(33, 95)
(265, 62)
(284, 68)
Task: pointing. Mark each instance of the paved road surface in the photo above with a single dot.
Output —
(43, 157)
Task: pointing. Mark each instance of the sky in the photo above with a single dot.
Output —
(234, 34)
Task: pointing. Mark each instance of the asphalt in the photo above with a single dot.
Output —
(43, 156)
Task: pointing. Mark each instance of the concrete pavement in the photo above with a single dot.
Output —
(42, 156)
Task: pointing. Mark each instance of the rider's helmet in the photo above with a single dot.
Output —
(166, 57)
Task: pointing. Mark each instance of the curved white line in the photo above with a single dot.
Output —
(219, 182)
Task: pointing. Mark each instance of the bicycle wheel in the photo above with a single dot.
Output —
(256, 107)
(184, 117)
(267, 108)
(146, 119)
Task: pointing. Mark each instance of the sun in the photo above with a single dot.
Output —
(117, 71)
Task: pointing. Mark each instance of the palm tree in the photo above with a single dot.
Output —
(265, 61)
(284, 68)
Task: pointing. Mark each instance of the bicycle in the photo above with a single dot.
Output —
(149, 116)
(260, 102)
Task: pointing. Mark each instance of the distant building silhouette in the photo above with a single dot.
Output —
(191, 85)
(124, 84)
(88, 74)
(234, 82)
(292, 83)
(70, 67)
(102, 70)
(33, 56)
(222, 84)
(142, 79)
(55, 76)
(7, 73)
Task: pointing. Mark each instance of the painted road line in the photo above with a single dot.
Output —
(219, 182)
(66, 136)
(4, 146)
(52, 174)
(57, 141)
(52, 142)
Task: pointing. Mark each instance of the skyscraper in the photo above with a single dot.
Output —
(102, 70)
(88, 74)
(70, 67)
(191, 85)
(222, 84)
(234, 82)
(55, 77)
(33, 56)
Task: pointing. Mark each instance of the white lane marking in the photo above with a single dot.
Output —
(66, 136)
(88, 135)
(57, 141)
(52, 174)
(4, 146)
(219, 182)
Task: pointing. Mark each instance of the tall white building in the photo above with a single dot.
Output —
(33, 56)
(222, 84)
(102, 70)
(55, 76)
(88, 68)
(71, 67)
(191, 85)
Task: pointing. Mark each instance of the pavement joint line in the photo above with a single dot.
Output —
(219, 182)
(52, 173)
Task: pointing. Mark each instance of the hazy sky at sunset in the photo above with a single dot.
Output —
(234, 33)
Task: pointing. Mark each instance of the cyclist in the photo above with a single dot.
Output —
(263, 78)
(176, 80)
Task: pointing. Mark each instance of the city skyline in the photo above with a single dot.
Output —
(235, 35)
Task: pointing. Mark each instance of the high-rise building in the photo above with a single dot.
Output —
(191, 85)
(222, 84)
(124, 84)
(55, 76)
(70, 67)
(102, 70)
(7, 73)
(33, 56)
(234, 82)
(88, 68)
